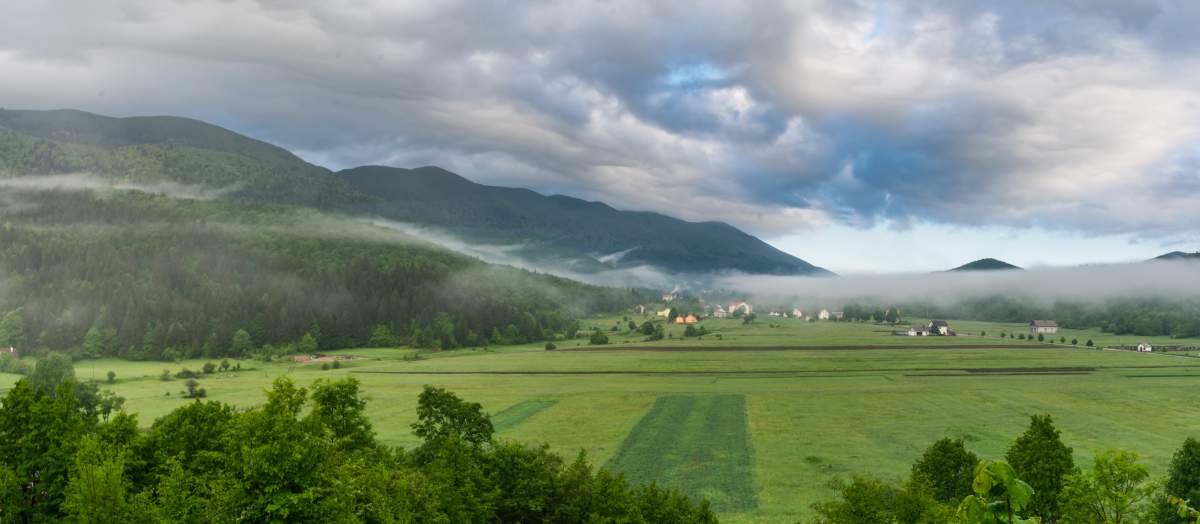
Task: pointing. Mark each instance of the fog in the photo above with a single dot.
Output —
(1170, 279)
(89, 182)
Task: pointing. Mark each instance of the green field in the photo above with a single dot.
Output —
(760, 432)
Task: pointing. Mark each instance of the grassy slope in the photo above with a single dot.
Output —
(821, 414)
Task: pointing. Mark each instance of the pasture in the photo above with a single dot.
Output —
(760, 432)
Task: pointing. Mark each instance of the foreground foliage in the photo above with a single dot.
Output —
(307, 455)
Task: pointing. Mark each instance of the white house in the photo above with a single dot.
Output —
(720, 312)
(796, 313)
(773, 314)
(1049, 327)
(823, 315)
(837, 315)
(940, 327)
(918, 331)
(641, 309)
(1145, 347)
(665, 313)
(667, 297)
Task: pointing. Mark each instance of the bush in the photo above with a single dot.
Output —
(324, 366)
(112, 376)
(225, 364)
(165, 376)
(186, 373)
(550, 346)
(337, 364)
(598, 338)
(209, 368)
(1090, 343)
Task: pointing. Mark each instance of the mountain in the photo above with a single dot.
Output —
(986, 264)
(580, 235)
(579, 228)
(1179, 255)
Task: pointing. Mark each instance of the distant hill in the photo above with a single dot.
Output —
(986, 264)
(434, 196)
(589, 235)
(1179, 255)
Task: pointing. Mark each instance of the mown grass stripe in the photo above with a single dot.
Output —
(515, 414)
(698, 444)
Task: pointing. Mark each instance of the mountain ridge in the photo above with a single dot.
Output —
(987, 264)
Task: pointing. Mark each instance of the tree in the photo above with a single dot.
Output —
(1074, 342)
(382, 337)
(550, 346)
(983, 333)
(50, 371)
(308, 344)
(1110, 493)
(598, 338)
(224, 364)
(749, 319)
(93, 343)
(948, 468)
(647, 328)
(633, 326)
(340, 408)
(208, 368)
(193, 387)
(12, 329)
(241, 344)
(871, 500)
(96, 491)
(1000, 497)
(690, 331)
(1090, 343)
(1041, 459)
(1041, 337)
(112, 376)
(1183, 481)
(442, 414)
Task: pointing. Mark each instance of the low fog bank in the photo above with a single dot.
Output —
(89, 182)
(1096, 283)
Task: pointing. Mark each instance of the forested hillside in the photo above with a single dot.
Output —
(149, 276)
(430, 195)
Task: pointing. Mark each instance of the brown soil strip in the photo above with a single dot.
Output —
(811, 348)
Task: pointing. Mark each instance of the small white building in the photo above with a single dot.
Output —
(823, 315)
(918, 331)
(1048, 327)
(796, 313)
(744, 306)
(667, 297)
(773, 314)
(940, 327)
(720, 312)
(665, 313)
(1145, 347)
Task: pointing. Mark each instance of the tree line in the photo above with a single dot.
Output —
(1037, 481)
(306, 455)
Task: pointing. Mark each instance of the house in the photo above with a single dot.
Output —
(641, 309)
(720, 312)
(1048, 327)
(688, 319)
(773, 314)
(796, 313)
(823, 315)
(940, 327)
(1145, 347)
(837, 315)
(11, 351)
(667, 297)
(744, 306)
(664, 313)
(918, 330)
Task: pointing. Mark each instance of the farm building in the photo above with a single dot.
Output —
(837, 315)
(918, 330)
(796, 313)
(688, 319)
(664, 313)
(823, 315)
(667, 297)
(1145, 347)
(720, 312)
(773, 314)
(940, 327)
(1048, 327)
(744, 306)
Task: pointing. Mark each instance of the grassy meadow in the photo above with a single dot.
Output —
(760, 432)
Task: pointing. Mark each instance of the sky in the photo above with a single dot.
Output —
(861, 136)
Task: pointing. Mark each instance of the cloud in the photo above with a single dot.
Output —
(773, 116)
(1175, 279)
(88, 182)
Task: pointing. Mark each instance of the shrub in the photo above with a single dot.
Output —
(186, 373)
(337, 364)
(165, 376)
(598, 338)
(1090, 343)
(112, 376)
(550, 346)
(324, 366)
(209, 368)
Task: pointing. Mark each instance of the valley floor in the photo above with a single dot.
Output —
(760, 432)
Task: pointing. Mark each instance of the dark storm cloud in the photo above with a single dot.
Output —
(771, 115)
